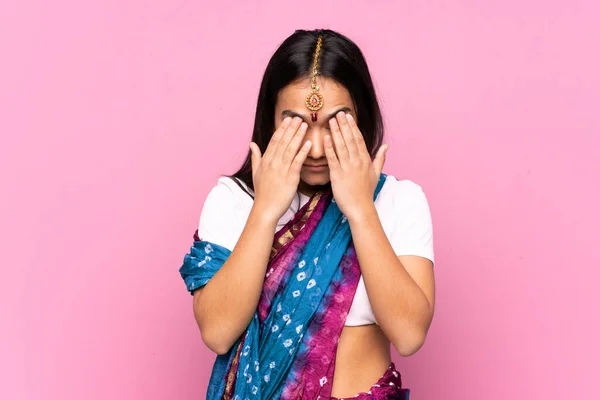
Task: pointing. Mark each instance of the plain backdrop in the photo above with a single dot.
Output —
(117, 117)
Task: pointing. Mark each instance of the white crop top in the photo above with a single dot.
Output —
(401, 205)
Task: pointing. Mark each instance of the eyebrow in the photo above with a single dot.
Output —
(290, 113)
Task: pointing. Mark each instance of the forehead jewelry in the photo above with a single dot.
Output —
(314, 99)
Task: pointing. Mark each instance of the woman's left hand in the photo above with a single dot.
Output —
(353, 175)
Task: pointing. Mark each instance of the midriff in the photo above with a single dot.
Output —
(362, 357)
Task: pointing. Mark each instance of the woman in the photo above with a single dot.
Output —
(308, 262)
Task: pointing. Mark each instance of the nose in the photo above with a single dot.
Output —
(316, 136)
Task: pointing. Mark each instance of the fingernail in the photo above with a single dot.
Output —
(349, 116)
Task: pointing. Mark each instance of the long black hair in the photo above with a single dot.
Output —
(341, 60)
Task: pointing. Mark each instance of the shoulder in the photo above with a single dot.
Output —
(228, 192)
(225, 212)
(406, 218)
(401, 194)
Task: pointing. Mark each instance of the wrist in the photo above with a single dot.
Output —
(263, 216)
(362, 213)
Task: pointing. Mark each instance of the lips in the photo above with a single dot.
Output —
(316, 168)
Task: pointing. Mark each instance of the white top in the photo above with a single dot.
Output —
(401, 205)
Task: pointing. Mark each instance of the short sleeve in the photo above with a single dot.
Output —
(224, 214)
(412, 229)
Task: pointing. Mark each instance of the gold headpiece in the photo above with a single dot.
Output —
(314, 100)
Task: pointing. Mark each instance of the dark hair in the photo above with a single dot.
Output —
(341, 60)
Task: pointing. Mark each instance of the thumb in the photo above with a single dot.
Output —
(256, 156)
(379, 160)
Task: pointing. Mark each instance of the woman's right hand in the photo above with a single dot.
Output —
(276, 174)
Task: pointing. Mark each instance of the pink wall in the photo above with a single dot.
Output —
(109, 149)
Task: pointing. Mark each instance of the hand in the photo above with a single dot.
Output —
(353, 175)
(276, 174)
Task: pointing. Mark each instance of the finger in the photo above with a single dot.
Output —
(295, 143)
(332, 160)
(341, 150)
(379, 160)
(296, 165)
(276, 138)
(347, 134)
(287, 137)
(358, 137)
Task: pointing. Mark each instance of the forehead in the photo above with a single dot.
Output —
(293, 96)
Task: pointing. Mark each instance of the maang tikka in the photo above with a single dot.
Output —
(314, 99)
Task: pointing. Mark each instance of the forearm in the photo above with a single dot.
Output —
(225, 305)
(400, 306)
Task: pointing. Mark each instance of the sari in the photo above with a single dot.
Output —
(288, 349)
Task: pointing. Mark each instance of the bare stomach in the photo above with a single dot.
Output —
(362, 357)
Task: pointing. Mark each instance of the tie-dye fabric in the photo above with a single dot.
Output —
(288, 350)
(388, 387)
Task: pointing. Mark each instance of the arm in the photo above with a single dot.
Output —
(400, 288)
(225, 305)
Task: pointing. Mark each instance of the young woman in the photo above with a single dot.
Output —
(308, 262)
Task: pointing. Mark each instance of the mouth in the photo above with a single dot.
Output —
(316, 168)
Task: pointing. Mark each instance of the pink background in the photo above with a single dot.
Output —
(117, 117)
